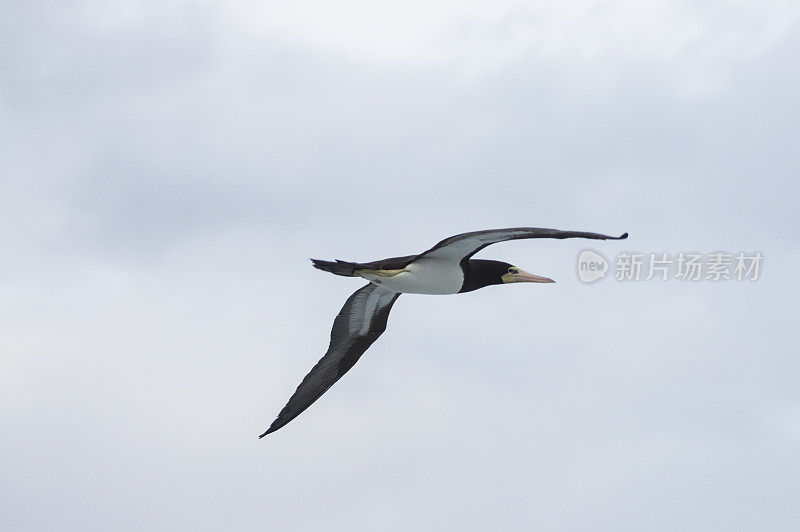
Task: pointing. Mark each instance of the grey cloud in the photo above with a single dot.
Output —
(166, 180)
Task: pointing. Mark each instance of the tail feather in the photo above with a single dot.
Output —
(340, 267)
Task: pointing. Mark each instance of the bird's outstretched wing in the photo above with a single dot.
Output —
(360, 322)
(465, 245)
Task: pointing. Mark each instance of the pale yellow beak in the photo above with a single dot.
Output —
(525, 277)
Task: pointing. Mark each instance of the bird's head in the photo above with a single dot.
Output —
(516, 275)
(480, 273)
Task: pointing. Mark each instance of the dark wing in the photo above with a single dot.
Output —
(360, 322)
(465, 245)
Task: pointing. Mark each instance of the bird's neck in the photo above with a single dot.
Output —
(479, 273)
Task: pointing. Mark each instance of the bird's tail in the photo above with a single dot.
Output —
(340, 267)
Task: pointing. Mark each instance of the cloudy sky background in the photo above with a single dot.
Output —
(167, 168)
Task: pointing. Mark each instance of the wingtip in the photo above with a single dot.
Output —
(272, 428)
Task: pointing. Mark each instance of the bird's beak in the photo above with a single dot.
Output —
(525, 277)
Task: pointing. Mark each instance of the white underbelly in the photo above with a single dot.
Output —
(432, 276)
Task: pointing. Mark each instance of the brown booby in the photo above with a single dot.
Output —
(446, 268)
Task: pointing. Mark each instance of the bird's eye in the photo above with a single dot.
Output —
(513, 270)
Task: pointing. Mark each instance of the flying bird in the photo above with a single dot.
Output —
(446, 268)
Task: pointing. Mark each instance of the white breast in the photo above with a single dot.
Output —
(423, 276)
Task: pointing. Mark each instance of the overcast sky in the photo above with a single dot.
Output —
(168, 167)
